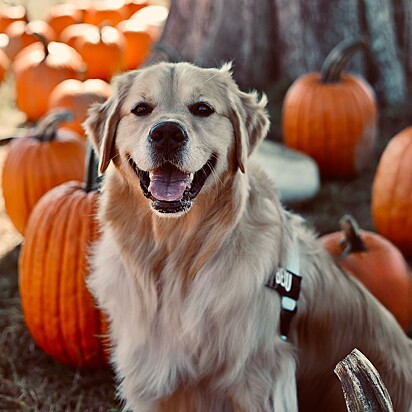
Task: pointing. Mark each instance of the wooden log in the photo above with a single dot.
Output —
(362, 386)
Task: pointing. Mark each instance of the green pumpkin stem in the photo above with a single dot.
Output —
(46, 128)
(42, 39)
(352, 241)
(91, 174)
(337, 59)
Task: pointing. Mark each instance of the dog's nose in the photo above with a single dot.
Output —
(168, 136)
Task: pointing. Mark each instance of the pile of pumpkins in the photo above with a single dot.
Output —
(60, 66)
(332, 116)
(50, 176)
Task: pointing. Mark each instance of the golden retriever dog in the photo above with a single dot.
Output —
(192, 232)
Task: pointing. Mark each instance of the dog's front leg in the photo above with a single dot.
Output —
(261, 390)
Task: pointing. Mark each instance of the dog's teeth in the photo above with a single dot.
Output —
(191, 176)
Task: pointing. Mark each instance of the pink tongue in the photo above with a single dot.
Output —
(168, 183)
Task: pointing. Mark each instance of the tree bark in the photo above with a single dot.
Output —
(272, 42)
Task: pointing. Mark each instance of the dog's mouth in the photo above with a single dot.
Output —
(170, 189)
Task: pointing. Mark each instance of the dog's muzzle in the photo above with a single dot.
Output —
(171, 189)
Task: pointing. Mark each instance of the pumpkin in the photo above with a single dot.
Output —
(21, 34)
(35, 163)
(332, 116)
(62, 15)
(391, 203)
(76, 96)
(59, 311)
(375, 262)
(11, 13)
(109, 12)
(71, 33)
(153, 18)
(102, 49)
(138, 42)
(4, 65)
(38, 69)
(132, 6)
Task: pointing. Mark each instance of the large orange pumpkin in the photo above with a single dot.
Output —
(34, 164)
(71, 33)
(138, 42)
(132, 6)
(392, 192)
(332, 116)
(377, 263)
(76, 96)
(21, 34)
(109, 12)
(102, 49)
(58, 309)
(38, 69)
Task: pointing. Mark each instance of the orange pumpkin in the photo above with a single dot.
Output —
(376, 263)
(332, 116)
(109, 12)
(71, 33)
(392, 192)
(38, 69)
(62, 15)
(59, 311)
(102, 49)
(21, 34)
(10, 14)
(138, 42)
(34, 164)
(76, 96)
(153, 17)
(132, 6)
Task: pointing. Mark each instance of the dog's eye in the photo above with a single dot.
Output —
(142, 109)
(201, 109)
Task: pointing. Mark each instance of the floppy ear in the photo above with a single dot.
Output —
(248, 116)
(250, 123)
(101, 125)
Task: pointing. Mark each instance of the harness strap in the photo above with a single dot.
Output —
(286, 281)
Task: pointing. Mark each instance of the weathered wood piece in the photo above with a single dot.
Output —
(362, 386)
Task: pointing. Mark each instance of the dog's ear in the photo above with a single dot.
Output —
(101, 124)
(249, 119)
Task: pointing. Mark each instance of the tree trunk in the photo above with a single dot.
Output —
(272, 42)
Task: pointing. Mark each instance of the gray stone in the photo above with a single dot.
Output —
(295, 175)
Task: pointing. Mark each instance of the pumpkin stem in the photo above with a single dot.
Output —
(337, 59)
(45, 130)
(44, 42)
(91, 174)
(352, 241)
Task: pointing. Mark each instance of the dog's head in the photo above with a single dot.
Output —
(176, 128)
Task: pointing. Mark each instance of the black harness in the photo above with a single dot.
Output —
(286, 281)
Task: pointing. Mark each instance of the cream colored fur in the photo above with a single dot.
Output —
(192, 325)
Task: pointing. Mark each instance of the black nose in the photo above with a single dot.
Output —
(168, 137)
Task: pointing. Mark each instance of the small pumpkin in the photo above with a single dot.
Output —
(71, 33)
(11, 13)
(35, 163)
(332, 116)
(105, 11)
(76, 96)
(376, 263)
(153, 17)
(21, 34)
(38, 69)
(62, 15)
(138, 43)
(132, 6)
(59, 311)
(391, 203)
(102, 49)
